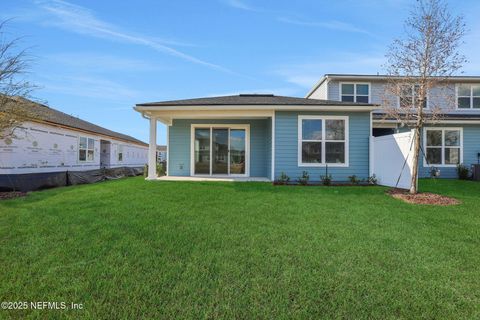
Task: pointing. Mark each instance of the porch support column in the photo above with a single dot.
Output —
(152, 150)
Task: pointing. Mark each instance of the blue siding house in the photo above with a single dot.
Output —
(261, 136)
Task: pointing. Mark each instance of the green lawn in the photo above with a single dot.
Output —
(134, 249)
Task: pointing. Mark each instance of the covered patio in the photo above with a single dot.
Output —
(212, 142)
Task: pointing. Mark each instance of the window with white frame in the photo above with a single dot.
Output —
(86, 149)
(409, 97)
(322, 140)
(354, 92)
(443, 146)
(468, 96)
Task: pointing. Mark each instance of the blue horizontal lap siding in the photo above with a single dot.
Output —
(471, 147)
(179, 144)
(286, 146)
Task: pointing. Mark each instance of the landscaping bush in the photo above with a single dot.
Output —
(160, 170)
(354, 179)
(283, 179)
(326, 180)
(303, 179)
(463, 172)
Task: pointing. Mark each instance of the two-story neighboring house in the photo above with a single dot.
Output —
(452, 139)
(330, 131)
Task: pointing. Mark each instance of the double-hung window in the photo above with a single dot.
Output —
(468, 96)
(409, 97)
(322, 141)
(355, 92)
(443, 146)
(86, 149)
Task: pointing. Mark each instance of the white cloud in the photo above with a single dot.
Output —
(83, 21)
(90, 87)
(101, 62)
(238, 4)
(329, 24)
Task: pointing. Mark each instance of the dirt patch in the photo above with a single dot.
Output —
(423, 198)
(11, 195)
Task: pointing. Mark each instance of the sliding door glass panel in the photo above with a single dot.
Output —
(237, 151)
(219, 151)
(202, 151)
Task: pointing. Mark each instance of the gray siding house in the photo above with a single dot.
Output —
(453, 140)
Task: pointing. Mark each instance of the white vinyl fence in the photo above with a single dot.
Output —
(392, 159)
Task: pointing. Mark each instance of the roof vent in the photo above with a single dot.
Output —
(256, 95)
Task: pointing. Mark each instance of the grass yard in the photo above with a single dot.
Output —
(132, 249)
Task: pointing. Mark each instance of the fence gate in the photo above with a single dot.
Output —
(392, 159)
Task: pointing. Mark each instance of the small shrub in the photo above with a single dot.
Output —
(354, 179)
(463, 172)
(283, 179)
(303, 179)
(372, 180)
(326, 180)
(160, 170)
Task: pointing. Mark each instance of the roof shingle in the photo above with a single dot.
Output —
(44, 113)
(251, 99)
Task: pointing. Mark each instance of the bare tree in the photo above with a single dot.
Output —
(14, 89)
(425, 58)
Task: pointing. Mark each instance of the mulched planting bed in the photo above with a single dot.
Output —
(11, 195)
(423, 198)
(316, 184)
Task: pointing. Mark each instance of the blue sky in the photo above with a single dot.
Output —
(96, 59)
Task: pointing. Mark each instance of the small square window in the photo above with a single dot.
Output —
(452, 155)
(476, 103)
(348, 89)
(476, 91)
(434, 138)
(452, 138)
(362, 89)
(335, 129)
(335, 152)
(363, 99)
(464, 90)
(311, 129)
(311, 152)
(464, 103)
(434, 155)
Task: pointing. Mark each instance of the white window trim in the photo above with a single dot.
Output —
(427, 107)
(86, 150)
(471, 96)
(355, 90)
(443, 165)
(300, 140)
(246, 127)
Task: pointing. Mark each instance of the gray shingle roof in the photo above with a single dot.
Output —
(47, 114)
(251, 99)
